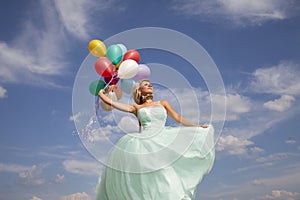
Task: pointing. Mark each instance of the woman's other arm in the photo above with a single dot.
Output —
(178, 118)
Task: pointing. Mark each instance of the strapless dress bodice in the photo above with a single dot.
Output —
(152, 117)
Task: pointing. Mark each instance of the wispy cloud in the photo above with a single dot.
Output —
(3, 92)
(78, 17)
(281, 79)
(75, 117)
(281, 181)
(32, 176)
(291, 142)
(281, 104)
(254, 166)
(233, 145)
(93, 131)
(35, 198)
(14, 168)
(54, 152)
(236, 105)
(263, 162)
(281, 195)
(59, 178)
(38, 53)
(276, 157)
(82, 167)
(257, 188)
(252, 115)
(191, 106)
(128, 124)
(239, 12)
(75, 196)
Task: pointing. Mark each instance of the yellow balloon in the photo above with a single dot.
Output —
(118, 65)
(97, 48)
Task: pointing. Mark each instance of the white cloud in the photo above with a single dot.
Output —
(256, 121)
(99, 134)
(32, 176)
(233, 145)
(93, 131)
(77, 196)
(275, 157)
(190, 103)
(36, 53)
(59, 178)
(239, 12)
(291, 142)
(192, 106)
(256, 188)
(3, 92)
(56, 152)
(281, 104)
(255, 166)
(282, 79)
(235, 105)
(128, 124)
(75, 117)
(110, 118)
(14, 168)
(35, 198)
(77, 17)
(281, 195)
(257, 150)
(82, 167)
(267, 161)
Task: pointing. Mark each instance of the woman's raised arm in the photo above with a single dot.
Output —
(120, 106)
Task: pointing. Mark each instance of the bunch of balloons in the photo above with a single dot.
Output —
(116, 63)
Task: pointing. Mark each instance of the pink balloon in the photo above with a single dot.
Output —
(143, 72)
(104, 67)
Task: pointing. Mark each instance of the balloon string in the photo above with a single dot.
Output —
(97, 101)
(113, 76)
(97, 105)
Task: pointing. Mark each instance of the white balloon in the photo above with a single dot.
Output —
(128, 69)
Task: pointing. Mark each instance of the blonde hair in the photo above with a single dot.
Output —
(137, 93)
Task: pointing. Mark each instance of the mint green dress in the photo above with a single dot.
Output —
(159, 163)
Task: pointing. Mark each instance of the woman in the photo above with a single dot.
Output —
(163, 163)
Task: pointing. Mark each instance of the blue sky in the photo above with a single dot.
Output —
(254, 44)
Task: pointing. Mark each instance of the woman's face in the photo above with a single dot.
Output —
(146, 88)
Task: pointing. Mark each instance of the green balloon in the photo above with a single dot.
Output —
(114, 54)
(96, 86)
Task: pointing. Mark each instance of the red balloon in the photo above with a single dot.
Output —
(114, 81)
(132, 54)
(104, 67)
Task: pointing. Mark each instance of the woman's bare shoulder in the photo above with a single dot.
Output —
(164, 102)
